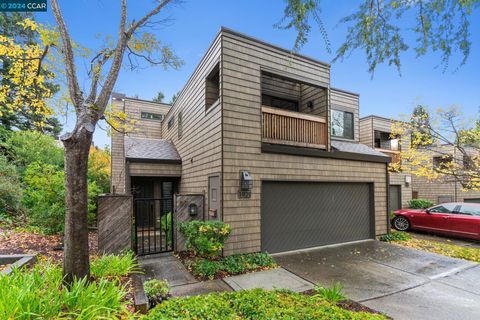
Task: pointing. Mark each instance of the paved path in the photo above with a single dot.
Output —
(401, 282)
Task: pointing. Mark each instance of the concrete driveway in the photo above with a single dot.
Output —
(401, 282)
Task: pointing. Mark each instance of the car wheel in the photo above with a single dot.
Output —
(401, 223)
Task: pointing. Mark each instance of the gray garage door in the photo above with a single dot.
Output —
(299, 215)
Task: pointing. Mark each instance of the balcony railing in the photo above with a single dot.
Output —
(293, 128)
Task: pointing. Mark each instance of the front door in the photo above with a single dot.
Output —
(214, 197)
(395, 197)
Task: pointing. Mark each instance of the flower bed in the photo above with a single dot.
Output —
(205, 269)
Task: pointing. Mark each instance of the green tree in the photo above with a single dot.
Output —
(384, 30)
(24, 118)
(174, 97)
(10, 188)
(159, 97)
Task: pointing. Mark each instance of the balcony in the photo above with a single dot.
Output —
(395, 155)
(293, 128)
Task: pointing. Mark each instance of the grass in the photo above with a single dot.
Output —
(254, 304)
(114, 265)
(446, 249)
(38, 293)
(333, 294)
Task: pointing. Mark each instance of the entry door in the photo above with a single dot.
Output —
(395, 197)
(214, 197)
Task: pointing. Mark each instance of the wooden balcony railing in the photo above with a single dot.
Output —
(293, 128)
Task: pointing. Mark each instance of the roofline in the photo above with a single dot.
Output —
(345, 91)
(380, 117)
(149, 160)
(121, 96)
(245, 36)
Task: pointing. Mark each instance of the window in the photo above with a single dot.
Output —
(151, 116)
(179, 125)
(468, 163)
(442, 162)
(170, 122)
(281, 103)
(383, 140)
(444, 208)
(212, 87)
(342, 124)
(470, 210)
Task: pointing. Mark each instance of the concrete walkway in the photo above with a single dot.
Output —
(401, 282)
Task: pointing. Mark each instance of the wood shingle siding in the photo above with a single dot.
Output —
(242, 140)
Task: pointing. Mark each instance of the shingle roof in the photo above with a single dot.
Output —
(354, 147)
(150, 149)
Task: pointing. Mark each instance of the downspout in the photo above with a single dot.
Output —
(388, 199)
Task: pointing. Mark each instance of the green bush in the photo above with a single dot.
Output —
(38, 293)
(206, 269)
(156, 291)
(254, 304)
(420, 204)
(396, 236)
(333, 294)
(10, 188)
(114, 265)
(205, 238)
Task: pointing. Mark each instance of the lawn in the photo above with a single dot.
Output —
(439, 247)
(255, 304)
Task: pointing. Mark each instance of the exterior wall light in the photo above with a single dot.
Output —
(246, 184)
(408, 180)
(192, 210)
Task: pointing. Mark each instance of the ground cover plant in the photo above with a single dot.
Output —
(38, 293)
(255, 304)
(446, 249)
(395, 236)
(156, 291)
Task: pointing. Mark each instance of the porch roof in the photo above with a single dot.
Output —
(146, 149)
(354, 147)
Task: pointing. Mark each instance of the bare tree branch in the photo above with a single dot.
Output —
(142, 21)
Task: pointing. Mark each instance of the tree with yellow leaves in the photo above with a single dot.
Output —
(444, 145)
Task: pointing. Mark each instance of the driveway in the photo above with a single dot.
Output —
(401, 282)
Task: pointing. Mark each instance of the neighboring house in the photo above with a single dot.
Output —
(275, 150)
(375, 132)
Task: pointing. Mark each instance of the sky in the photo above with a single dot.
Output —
(193, 24)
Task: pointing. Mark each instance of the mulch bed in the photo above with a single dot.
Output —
(350, 305)
(50, 246)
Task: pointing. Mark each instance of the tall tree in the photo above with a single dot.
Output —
(24, 118)
(383, 29)
(89, 109)
(159, 97)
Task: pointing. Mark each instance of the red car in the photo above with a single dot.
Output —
(456, 219)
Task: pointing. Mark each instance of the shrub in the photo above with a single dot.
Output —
(10, 188)
(420, 204)
(395, 236)
(156, 291)
(114, 265)
(254, 304)
(333, 294)
(205, 238)
(38, 293)
(206, 269)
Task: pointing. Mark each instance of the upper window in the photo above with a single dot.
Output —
(179, 125)
(470, 209)
(442, 162)
(281, 103)
(212, 87)
(384, 140)
(342, 124)
(151, 116)
(170, 122)
(444, 208)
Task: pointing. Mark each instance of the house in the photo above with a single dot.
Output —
(272, 147)
(375, 132)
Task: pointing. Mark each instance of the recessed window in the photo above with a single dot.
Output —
(342, 124)
(170, 122)
(179, 125)
(281, 103)
(151, 116)
(442, 162)
(212, 87)
(383, 140)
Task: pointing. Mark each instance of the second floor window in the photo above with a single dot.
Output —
(442, 162)
(212, 87)
(170, 122)
(151, 116)
(342, 124)
(384, 140)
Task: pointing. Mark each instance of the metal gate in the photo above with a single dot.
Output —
(153, 225)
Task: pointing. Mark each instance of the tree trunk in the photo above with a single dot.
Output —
(76, 262)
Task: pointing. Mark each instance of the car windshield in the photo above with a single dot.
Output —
(470, 209)
(443, 208)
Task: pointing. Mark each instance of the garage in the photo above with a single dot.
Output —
(297, 215)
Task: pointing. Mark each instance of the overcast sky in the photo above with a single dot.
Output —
(195, 23)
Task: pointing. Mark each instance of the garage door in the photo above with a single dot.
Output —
(298, 215)
(472, 200)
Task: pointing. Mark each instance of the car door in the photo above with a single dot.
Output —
(435, 218)
(466, 222)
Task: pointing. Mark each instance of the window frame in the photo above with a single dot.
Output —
(147, 113)
(344, 111)
(170, 122)
(209, 79)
